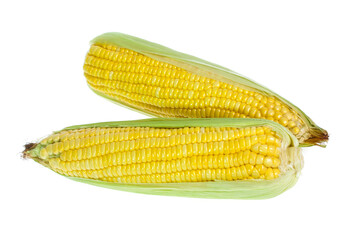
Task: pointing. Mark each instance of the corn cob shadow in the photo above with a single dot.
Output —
(161, 82)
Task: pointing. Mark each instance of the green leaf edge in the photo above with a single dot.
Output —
(247, 189)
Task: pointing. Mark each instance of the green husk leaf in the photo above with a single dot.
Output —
(203, 68)
(246, 189)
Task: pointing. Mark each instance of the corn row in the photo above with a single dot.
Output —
(229, 174)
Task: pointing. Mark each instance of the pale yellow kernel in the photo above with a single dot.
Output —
(43, 153)
(270, 113)
(233, 172)
(270, 139)
(255, 173)
(240, 158)
(57, 148)
(276, 172)
(237, 106)
(212, 101)
(269, 174)
(288, 115)
(62, 165)
(254, 113)
(246, 110)
(264, 111)
(283, 121)
(284, 110)
(245, 157)
(72, 143)
(217, 174)
(239, 173)
(252, 158)
(263, 149)
(54, 162)
(255, 148)
(261, 168)
(291, 124)
(295, 130)
(277, 108)
(254, 139)
(56, 137)
(249, 169)
(242, 143)
(276, 162)
(208, 174)
(227, 174)
(258, 96)
(242, 106)
(49, 149)
(260, 131)
(268, 162)
(247, 131)
(272, 150)
(244, 171)
(249, 100)
(262, 139)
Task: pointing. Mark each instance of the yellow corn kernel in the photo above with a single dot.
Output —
(276, 162)
(162, 155)
(268, 162)
(269, 174)
(167, 90)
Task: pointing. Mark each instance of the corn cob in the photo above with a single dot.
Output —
(211, 158)
(161, 82)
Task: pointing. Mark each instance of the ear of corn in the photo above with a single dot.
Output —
(162, 82)
(208, 158)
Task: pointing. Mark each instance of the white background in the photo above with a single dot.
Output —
(300, 49)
